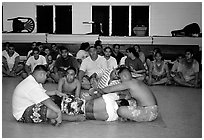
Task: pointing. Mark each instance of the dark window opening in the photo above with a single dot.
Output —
(140, 17)
(120, 21)
(63, 20)
(44, 19)
(100, 17)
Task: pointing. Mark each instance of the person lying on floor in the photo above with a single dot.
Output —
(146, 109)
(97, 107)
(31, 102)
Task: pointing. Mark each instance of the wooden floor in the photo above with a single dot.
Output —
(180, 109)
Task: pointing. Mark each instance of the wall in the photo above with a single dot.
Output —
(164, 16)
(169, 16)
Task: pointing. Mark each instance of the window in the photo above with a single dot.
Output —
(140, 17)
(100, 17)
(59, 21)
(63, 20)
(44, 19)
(121, 20)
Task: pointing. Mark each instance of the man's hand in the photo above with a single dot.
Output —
(60, 94)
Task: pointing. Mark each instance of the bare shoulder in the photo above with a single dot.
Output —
(76, 81)
(62, 80)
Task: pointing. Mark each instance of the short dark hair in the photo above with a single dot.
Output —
(189, 50)
(36, 49)
(107, 48)
(133, 51)
(63, 48)
(71, 68)
(114, 45)
(92, 47)
(84, 45)
(122, 68)
(98, 42)
(40, 68)
(123, 102)
(38, 43)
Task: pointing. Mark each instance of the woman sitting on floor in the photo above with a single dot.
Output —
(159, 71)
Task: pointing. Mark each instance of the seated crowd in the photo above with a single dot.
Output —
(84, 81)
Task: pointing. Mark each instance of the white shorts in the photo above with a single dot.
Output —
(111, 106)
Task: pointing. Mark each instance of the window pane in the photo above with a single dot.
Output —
(140, 16)
(63, 20)
(44, 19)
(100, 16)
(120, 20)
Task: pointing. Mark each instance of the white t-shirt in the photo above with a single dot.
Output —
(122, 61)
(27, 93)
(98, 66)
(10, 60)
(32, 62)
(111, 63)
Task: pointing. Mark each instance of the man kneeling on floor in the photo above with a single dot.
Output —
(146, 109)
(31, 102)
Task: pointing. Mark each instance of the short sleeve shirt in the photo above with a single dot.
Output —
(10, 60)
(33, 62)
(27, 93)
(111, 63)
(98, 66)
(136, 63)
(68, 62)
(187, 72)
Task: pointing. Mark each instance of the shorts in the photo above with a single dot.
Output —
(141, 114)
(89, 110)
(72, 106)
(36, 113)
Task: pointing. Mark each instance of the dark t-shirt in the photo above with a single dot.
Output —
(136, 63)
(70, 61)
(117, 57)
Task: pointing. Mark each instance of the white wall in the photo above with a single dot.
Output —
(164, 17)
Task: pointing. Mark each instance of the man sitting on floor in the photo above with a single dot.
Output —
(146, 109)
(188, 71)
(31, 102)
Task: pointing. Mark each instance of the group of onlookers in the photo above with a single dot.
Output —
(91, 62)
(115, 84)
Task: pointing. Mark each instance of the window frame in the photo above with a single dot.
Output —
(54, 12)
(130, 15)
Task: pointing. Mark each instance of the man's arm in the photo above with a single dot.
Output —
(51, 105)
(60, 84)
(81, 75)
(114, 88)
(55, 92)
(78, 89)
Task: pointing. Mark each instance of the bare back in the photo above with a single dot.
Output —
(141, 92)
